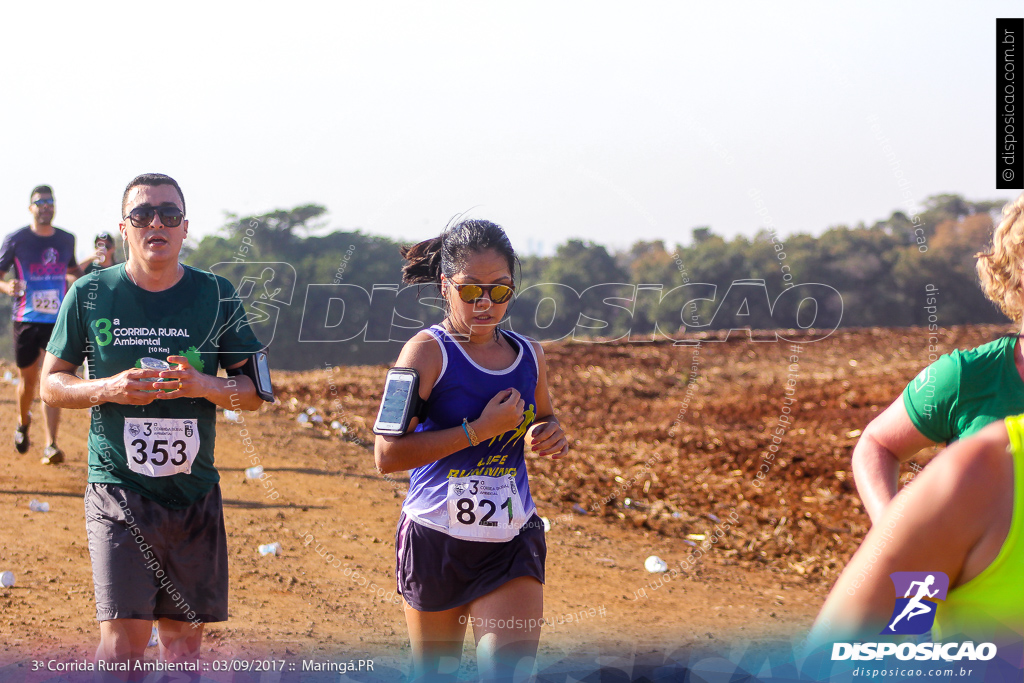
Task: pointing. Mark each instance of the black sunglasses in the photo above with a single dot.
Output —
(142, 216)
(43, 202)
(498, 294)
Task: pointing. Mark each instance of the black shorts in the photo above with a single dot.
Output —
(152, 562)
(437, 572)
(29, 340)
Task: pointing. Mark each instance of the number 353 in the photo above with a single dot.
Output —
(157, 453)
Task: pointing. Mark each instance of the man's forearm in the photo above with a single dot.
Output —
(65, 390)
(233, 393)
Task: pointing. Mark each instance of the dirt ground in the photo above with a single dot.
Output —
(658, 463)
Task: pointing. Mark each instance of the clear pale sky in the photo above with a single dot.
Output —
(606, 121)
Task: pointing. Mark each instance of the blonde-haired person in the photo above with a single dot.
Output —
(961, 392)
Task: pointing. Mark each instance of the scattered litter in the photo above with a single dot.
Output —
(254, 472)
(36, 506)
(854, 434)
(7, 579)
(302, 418)
(677, 515)
(547, 524)
(336, 425)
(8, 376)
(311, 411)
(154, 637)
(655, 564)
(317, 418)
(270, 549)
(689, 542)
(232, 415)
(578, 509)
(695, 537)
(714, 519)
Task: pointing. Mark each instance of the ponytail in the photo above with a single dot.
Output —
(424, 262)
(448, 253)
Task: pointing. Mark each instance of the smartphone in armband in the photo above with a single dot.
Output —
(401, 402)
(264, 387)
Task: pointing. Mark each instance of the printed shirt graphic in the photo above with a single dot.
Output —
(42, 262)
(462, 391)
(108, 320)
(964, 391)
(917, 596)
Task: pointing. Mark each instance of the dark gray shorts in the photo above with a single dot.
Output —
(152, 562)
(437, 572)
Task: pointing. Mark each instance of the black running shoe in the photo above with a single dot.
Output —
(21, 438)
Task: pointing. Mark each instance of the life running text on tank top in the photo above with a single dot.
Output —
(481, 492)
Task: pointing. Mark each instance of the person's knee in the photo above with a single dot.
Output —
(119, 642)
(29, 375)
(179, 639)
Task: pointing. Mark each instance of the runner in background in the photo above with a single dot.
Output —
(44, 264)
(963, 515)
(961, 392)
(103, 257)
(153, 509)
(470, 546)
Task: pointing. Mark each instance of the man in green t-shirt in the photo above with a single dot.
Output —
(153, 507)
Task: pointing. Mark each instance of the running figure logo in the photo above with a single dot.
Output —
(914, 613)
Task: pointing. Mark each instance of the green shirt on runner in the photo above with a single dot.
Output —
(163, 450)
(964, 391)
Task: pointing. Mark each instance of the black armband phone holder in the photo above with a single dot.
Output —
(257, 369)
(401, 402)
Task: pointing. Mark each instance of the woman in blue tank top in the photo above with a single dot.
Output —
(470, 546)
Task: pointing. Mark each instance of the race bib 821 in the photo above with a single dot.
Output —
(160, 447)
(484, 508)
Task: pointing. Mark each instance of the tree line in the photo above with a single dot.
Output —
(879, 271)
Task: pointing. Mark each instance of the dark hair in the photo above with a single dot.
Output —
(151, 180)
(449, 252)
(40, 189)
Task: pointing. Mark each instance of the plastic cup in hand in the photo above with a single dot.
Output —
(148, 363)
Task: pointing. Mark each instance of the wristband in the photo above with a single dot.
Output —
(470, 433)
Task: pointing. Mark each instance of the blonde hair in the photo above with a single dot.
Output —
(1001, 268)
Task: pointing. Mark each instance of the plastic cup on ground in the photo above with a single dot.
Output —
(270, 549)
(254, 472)
(655, 564)
(36, 506)
(7, 579)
